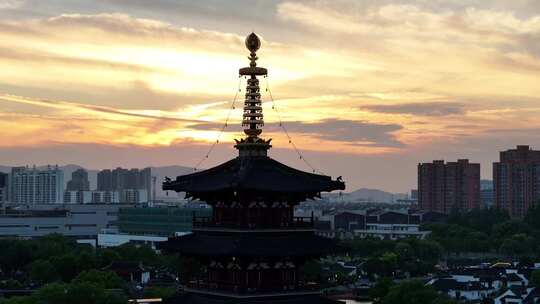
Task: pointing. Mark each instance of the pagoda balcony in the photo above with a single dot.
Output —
(297, 222)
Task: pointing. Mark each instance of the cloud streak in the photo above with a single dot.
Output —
(358, 133)
(420, 108)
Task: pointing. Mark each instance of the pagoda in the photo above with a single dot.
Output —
(252, 248)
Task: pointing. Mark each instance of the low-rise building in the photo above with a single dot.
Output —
(127, 196)
(383, 224)
(518, 295)
(159, 221)
(113, 238)
(83, 222)
(463, 288)
(500, 283)
(390, 231)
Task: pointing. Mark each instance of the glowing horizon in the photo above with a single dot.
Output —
(358, 85)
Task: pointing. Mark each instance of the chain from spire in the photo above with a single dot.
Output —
(223, 127)
(284, 129)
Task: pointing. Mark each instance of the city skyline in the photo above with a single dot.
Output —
(367, 90)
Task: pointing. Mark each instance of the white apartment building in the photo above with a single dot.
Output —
(127, 196)
(34, 186)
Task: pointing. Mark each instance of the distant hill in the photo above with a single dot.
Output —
(368, 195)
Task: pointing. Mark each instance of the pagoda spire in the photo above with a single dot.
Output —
(253, 116)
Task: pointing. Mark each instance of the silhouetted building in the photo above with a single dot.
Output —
(3, 187)
(447, 187)
(79, 181)
(144, 181)
(3, 179)
(82, 222)
(349, 221)
(34, 186)
(252, 247)
(414, 194)
(516, 180)
(120, 179)
(104, 180)
(123, 179)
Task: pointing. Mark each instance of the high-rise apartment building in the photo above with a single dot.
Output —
(79, 181)
(123, 179)
(35, 186)
(104, 180)
(444, 187)
(145, 181)
(516, 180)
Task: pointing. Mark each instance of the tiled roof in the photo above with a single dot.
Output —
(257, 173)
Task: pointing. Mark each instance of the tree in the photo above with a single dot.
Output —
(509, 228)
(140, 254)
(107, 256)
(67, 266)
(89, 293)
(15, 255)
(381, 289)
(535, 278)
(389, 261)
(533, 216)
(159, 292)
(413, 292)
(368, 246)
(11, 284)
(42, 271)
(518, 245)
(52, 245)
(103, 279)
(481, 220)
(404, 251)
(52, 293)
(62, 293)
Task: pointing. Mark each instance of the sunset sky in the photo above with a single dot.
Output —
(367, 89)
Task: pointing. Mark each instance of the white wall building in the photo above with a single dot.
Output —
(113, 239)
(77, 197)
(33, 186)
(391, 231)
(127, 196)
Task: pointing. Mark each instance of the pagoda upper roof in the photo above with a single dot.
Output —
(253, 174)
